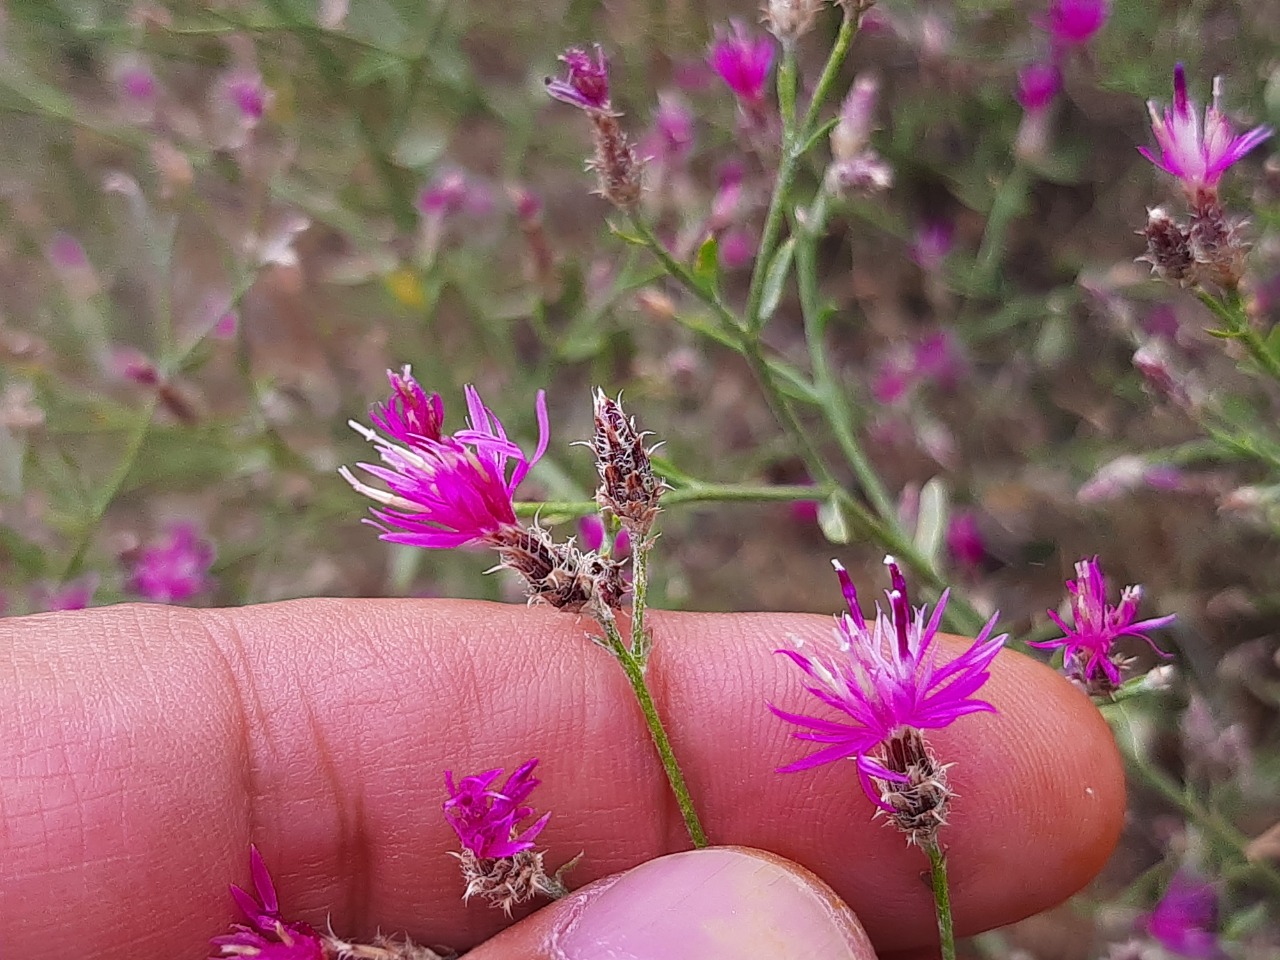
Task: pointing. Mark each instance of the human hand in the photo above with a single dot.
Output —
(143, 748)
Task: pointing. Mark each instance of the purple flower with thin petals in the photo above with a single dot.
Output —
(265, 936)
(1197, 157)
(1038, 85)
(1185, 921)
(1073, 23)
(487, 820)
(743, 61)
(585, 84)
(1096, 625)
(445, 490)
(174, 570)
(886, 677)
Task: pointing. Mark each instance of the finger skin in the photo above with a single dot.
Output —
(719, 903)
(142, 748)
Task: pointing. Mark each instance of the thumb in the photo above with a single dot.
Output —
(718, 903)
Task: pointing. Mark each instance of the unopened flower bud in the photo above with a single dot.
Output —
(853, 128)
(1168, 248)
(628, 489)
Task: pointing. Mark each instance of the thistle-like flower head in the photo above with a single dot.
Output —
(886, 677)
(444, 490)
(742, 61)
(486, 819)
(1198, 156)
(585, 84)
(265, 936)
(1096, 626)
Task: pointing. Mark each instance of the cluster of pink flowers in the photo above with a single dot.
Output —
(444, 490)
(1089, 640)
(886, 676)
(487, 819)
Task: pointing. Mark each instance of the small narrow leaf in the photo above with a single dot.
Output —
(832, 520)
(706, 265)
(776, 279)
(931, 527)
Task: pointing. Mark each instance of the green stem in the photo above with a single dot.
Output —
(941, 898)
(1234, 844)
(639, 596)
(1235, 319)
(793, 148)
(692, 493)
(681, 273)
(634, 670)
(960, 615)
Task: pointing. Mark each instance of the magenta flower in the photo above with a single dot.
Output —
(1038, 85)
(1096, 625)
(1185, 921)
(585, 84)
(932, 243)
(446, 194)
(742, 61)
(174, 570)
(72, 595)
(671, 140)
(1073, 23)
(886, 677)
(487, 820)
(265, 936)
(1197, 157)
(445, 490)
(964, 539)
(248, 94)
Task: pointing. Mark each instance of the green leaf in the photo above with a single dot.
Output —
(832, 520)
(632, 238)
(931, 527)
(775, 279)
(706, 265)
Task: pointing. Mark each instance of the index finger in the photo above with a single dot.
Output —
(142, 748)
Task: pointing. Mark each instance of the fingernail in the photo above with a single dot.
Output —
(721, 902)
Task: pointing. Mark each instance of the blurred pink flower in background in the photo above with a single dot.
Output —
(933, 241)
(742, 61)
(1073, 23)
(175, 569)
(1185, 921)
(73, 595)
(1038, 85)
(964, 539)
